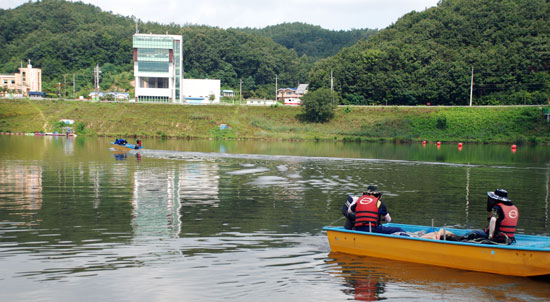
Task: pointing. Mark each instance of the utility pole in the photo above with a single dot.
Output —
(331, 82)
(97, 71)
(472, 87)
(332, 87)
(64, 85)
(275, 88)
(74, 89)
(241, 90)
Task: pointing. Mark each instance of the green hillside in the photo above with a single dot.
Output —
(65, 38)
(312, 41)
(425, 57)
(68, 39)
(428, 57)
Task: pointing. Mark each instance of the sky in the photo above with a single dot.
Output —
(329, 14)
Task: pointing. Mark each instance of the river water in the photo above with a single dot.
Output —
(242, 221)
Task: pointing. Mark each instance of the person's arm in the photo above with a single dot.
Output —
(493, 222)
(492, 225)
(351, 208)
(383, 211)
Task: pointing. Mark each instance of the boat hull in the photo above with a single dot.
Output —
(127, 147)
(498, 259)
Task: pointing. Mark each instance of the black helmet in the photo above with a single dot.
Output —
(499, 196)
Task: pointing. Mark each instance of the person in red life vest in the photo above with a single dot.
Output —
(370, 211)
(503, 219)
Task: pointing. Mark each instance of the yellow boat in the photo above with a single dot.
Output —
(123, 145)
(528, 256)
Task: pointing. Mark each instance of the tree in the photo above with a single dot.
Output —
(318, 106)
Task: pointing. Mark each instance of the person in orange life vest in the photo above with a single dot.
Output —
(370, 211)
(502, 221)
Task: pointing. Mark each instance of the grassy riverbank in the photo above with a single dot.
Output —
(446, 124)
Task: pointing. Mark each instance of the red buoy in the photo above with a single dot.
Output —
(423, 142)
(460, 145)
(438, 143)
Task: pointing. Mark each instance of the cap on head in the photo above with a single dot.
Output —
(373, 190)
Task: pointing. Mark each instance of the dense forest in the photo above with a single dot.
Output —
(68, 39)
(424, 57)
(312, 41)
(428, 57)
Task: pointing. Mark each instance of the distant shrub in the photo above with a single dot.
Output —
(80, 128)
(441, 123)
(318, 106)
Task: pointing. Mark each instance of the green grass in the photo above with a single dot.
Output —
(403, 124)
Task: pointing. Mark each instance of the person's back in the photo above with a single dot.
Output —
(370, 211)
(367, 212)
(503, 219)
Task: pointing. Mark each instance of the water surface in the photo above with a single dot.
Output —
(210, 220)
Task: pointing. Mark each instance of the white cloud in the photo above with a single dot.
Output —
(330, 14)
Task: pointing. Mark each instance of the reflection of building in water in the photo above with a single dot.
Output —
(68, 145)
(95, 174)
(159, 194)
(199, 184)
(22, 181)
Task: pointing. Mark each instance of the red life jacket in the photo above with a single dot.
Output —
(509, 222)
(366, 211)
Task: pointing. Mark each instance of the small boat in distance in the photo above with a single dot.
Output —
(123, 145)
(528, 256)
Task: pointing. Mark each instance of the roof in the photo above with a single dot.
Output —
(302, 88)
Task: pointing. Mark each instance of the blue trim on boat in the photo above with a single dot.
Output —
(129, 146)
(523, 242)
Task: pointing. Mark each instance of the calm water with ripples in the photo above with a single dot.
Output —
(241, 220)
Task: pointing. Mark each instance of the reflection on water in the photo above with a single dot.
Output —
(190, 221)
(370, 279)
(21, 187)
(159, 194)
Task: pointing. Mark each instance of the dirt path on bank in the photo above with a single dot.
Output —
(41, 114)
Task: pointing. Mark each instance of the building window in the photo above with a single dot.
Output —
(153, 66)
(153, 54)
(153, 82)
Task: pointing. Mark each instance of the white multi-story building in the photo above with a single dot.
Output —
(158, 70)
